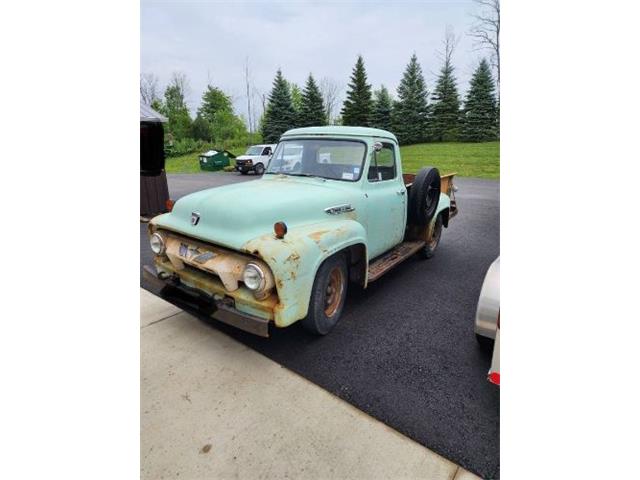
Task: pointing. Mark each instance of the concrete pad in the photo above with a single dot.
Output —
(213, 408)
(463, 474)
(153, 309)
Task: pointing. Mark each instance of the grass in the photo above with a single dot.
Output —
(190, 164)
(467, 159)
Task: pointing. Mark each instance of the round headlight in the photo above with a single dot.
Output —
(253, 277)
(157, 244)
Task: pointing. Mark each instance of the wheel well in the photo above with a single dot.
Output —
(357, 262)
(445, 217)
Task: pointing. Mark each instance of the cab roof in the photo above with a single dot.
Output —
(335, 130)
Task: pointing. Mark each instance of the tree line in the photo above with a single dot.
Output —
(416, 116)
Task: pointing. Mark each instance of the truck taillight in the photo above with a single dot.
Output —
(494, 377)
(169, 205)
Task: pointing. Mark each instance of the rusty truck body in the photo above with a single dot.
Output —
(341, 212)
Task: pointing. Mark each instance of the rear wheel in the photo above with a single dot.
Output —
(259, 169)
(328, 296)
(429, 249)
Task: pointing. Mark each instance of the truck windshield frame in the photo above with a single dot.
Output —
(315, 158)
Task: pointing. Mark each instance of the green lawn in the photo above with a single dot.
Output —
(467, 159)
(190, 163)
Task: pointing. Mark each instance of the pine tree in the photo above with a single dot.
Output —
(280, 115)
(382, 107)
(481, 119)
(444, 121)
(409, 116)
(356, 109)
(312, 112)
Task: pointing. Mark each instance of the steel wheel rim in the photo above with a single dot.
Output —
(333, 292)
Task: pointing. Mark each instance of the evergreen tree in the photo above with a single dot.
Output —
(356, 109)
(214, 100)
(280, 115)
(175, 109)
(382, 107)
(409, 116)
(444, 121)
(312, 112)
(481, 118)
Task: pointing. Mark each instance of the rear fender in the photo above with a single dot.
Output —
(295, 259)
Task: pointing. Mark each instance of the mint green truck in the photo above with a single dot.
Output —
(332, 209)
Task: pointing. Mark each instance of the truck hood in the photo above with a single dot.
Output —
(234, 214)
(247, 157)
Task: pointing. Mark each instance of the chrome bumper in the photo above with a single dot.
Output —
(191, 300)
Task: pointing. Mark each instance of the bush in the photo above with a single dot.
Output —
(229, 168)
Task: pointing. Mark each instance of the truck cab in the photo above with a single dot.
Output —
(336, 210)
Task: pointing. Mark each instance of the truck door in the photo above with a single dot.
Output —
(386, 198)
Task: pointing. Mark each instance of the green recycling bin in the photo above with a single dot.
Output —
(214, 160)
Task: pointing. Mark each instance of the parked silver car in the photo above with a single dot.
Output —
(487, 324)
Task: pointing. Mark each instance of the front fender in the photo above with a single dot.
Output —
(295, 259)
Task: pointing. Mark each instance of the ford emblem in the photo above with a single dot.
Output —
(195, 218)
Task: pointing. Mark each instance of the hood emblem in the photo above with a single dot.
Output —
(338, 209)
(195, 218)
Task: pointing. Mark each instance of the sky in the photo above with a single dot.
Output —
(210, 42)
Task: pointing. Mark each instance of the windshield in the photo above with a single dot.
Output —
(254, 151)
(332, 159)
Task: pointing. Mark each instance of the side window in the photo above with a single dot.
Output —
(383, 164)
(267, 151)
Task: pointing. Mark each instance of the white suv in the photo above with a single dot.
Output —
(255, 159)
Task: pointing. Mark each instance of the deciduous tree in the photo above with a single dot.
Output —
(175, 107)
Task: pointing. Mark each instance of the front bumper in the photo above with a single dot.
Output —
(191, 299)
(244, 167)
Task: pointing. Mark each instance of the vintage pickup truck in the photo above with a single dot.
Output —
(344, 213)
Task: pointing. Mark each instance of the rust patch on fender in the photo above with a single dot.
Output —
(293, 257)
(316, 236)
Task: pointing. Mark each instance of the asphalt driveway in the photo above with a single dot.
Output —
(404, 350)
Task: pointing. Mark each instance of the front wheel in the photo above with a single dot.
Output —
(328, 296)
(259, 169)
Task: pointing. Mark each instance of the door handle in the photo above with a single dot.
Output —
(401, 192)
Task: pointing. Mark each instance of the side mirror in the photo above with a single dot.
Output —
(377, 146)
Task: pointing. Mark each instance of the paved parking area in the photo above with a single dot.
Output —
(213, 408)
(404, 351)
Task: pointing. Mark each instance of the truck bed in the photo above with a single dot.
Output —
(446, 187)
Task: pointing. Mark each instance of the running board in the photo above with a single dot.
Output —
(393, 257)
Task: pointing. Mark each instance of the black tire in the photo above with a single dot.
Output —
(259, 169)
(324, 307)
(424, 196)
(429, 249)
(485, 343)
